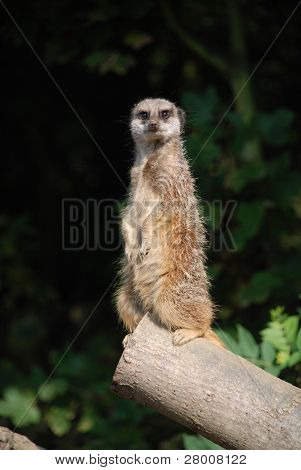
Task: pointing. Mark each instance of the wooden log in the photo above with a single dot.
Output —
(10, 440)
(212, 391)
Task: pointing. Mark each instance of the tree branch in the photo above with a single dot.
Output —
(210, 390)
(193, 44)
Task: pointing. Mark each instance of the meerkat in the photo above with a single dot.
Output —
(163, 269)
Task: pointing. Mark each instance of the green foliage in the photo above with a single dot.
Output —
(247, 343)
(283, 332)
(53, 389)
(280, 347)
(78, 399)
(19, 406)
(59, 420)
(198, 443)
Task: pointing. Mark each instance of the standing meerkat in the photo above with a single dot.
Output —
(163, 268)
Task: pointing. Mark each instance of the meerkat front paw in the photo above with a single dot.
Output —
(128, 253)
(184, 335)
(144, 249)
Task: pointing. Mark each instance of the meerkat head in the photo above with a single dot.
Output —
(156, 120)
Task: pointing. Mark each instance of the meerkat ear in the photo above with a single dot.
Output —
(182, 118)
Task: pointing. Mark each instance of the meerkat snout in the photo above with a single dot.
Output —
(156, 119)
(153, 126)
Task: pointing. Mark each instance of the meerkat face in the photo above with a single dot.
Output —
(156, 120)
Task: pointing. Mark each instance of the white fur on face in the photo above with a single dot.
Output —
(167, 128)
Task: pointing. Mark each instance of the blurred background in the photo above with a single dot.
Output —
(105, 56)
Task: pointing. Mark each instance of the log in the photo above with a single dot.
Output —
(10, 440)
(210, 390)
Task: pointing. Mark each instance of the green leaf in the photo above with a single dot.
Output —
(294, 359)
(137, 40)
(274, 334)
(282, 358)
(199, 443)
(277, 313)
(247, 344)
(53, 389)
(230, 342)
(87, 421)
(274, 370)
(59, 420)
(267, 352)
(20, 407)
(290, 326)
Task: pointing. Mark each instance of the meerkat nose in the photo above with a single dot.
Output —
(153, 126)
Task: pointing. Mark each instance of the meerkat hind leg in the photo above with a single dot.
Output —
(129, 312)
(184, 335)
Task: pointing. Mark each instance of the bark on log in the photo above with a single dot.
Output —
(12, 441)
(211, 391)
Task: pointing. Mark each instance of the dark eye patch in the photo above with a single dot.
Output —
(165, 113)
(143, 115)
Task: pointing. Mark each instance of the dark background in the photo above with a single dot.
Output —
(105, 56)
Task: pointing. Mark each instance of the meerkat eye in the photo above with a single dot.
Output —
(165, 114)
(143, 115)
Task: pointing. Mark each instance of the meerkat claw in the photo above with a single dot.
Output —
(126, 340)
(183, 336)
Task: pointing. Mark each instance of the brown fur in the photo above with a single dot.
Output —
(163, 270)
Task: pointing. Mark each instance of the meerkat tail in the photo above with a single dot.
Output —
(212, 336)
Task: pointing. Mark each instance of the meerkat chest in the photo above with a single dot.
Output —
(144, 199)
(139, 217)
